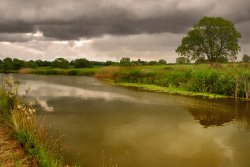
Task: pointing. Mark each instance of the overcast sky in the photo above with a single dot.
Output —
(109, 29)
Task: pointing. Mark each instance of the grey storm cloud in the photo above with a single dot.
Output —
(69, 20)
(142, 42)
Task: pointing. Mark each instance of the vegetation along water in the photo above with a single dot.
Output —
(19, 118)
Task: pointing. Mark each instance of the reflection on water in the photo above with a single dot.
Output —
(213, 113)
(44, 105)
(107, 125)
(208, 117)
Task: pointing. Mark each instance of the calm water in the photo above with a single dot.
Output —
(103, 125)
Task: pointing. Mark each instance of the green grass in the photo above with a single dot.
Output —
(71, 71)
(21, 119)
(169, 90)
(208, 80)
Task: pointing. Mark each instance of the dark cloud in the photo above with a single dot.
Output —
(15, 27)
(143, 42)
(245, 32)
(116, 26)
(65, 20)
(21, 37)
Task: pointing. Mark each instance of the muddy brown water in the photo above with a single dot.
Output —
(107, 126)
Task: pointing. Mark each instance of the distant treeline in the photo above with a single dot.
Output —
(8, 64)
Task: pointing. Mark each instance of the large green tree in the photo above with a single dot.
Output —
(212, 38)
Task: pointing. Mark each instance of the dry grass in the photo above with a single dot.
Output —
(25, 71)
(107, 72)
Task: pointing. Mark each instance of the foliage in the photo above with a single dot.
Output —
(162, 62)
(56, 71)
(213, 38)
(17, 64)
(246, 58)
(125, 61)
(30, 64)
(41, 63)
(152, 63)
(108, 63)
(7, 64)
(60, 63)
(182, 60)
(200, 60)
(82, 63)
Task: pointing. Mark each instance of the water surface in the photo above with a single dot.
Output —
(104, 125)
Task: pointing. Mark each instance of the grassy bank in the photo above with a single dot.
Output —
(169, 90)
(20, 119)
(214, 81)
(57, 71)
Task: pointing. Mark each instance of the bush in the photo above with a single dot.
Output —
(72, 72)
(51, 72)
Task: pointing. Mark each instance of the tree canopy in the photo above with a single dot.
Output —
(125, 61)
(182, 60)
(81, 63)
(212, 38)
(60, 63)
(246, 58)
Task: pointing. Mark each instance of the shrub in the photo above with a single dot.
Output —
(51, 72)
(72, 72)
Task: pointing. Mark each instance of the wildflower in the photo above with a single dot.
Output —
(26, 113)
(30, 111)
(19, 106)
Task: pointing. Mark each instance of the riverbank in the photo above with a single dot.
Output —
(169, 90)
(57, 71)
(206, 80)
(18, 120)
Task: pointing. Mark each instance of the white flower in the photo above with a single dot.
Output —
(19, 106)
